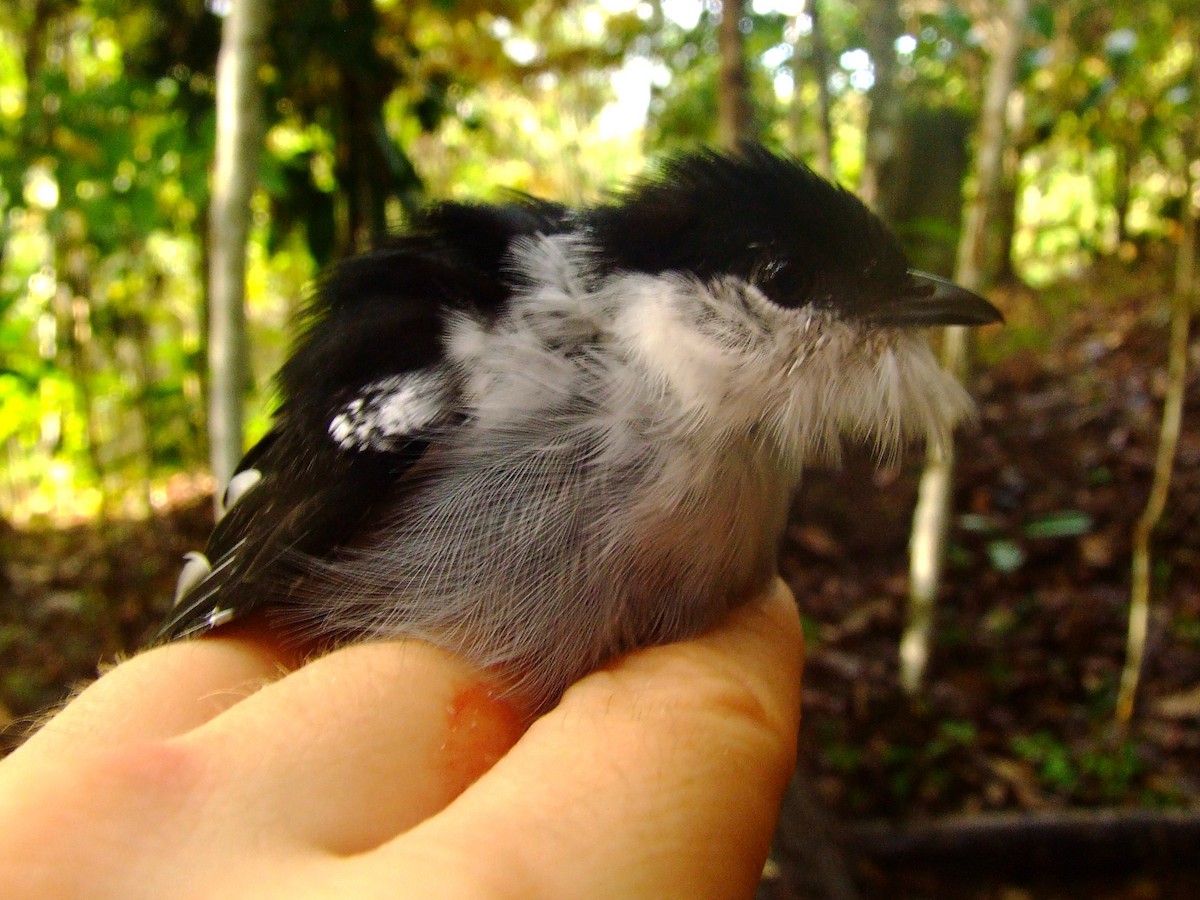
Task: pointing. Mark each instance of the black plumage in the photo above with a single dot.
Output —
(543, 436)
(373, 316)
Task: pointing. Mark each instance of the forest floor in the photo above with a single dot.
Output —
(1017, 710)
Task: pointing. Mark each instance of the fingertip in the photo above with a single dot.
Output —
(159, 693)
(748, 667)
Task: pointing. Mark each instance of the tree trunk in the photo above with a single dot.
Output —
(1009, 195)
(362, 171)
(931, 517)
(1121, 190)
(73, 319)
(371, 170)
(734, 117)
(240, 124)
(882, 28)
(928, 171)
(1006, 228)
(138, 359)
(32, 128)
(820, 65)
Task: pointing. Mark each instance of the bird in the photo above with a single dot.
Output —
(542, 436)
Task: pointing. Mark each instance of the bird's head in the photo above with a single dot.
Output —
(759, 291)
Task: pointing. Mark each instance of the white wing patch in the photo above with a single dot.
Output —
(238, 485)
(195, 569)
(388, 411)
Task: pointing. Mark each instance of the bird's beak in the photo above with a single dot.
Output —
(931, 300)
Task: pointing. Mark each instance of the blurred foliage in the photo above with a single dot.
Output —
(106, 130)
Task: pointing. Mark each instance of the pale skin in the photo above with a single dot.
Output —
(218, 768)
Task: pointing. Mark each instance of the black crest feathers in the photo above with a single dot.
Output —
(765, 218)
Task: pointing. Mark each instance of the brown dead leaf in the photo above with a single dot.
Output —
(817, 541)
(1097, 549)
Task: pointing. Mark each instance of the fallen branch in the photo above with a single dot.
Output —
(1063, 843)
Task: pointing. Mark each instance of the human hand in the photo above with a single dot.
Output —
(212, 768)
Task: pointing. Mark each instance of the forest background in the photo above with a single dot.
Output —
(1046, 152)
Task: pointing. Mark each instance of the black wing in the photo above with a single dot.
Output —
(361, 392)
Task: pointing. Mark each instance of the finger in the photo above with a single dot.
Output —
(163, 692)
(354, 747)
(659, 777)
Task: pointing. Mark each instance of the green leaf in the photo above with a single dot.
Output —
(1041, 20)
(1005, 555)
(956, 22)
(1061, 524)
(977, 523)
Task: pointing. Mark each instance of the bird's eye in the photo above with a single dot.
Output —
(773, 269)
(783, 282)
